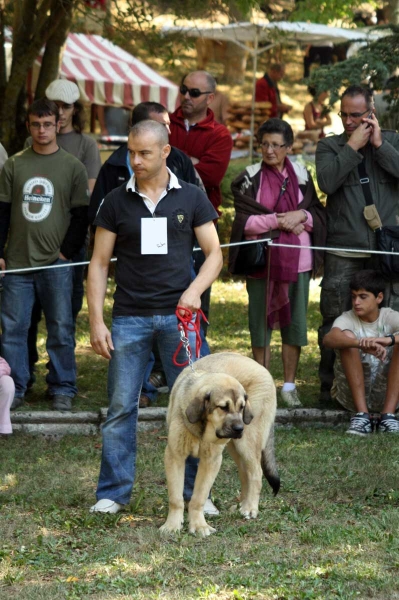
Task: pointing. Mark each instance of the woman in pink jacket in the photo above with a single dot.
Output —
(7, 390)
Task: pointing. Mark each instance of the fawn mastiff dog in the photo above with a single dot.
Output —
(227, 400)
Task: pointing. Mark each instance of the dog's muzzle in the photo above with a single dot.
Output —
(234, 431)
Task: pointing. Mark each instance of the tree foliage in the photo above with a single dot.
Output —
(35, 23)
(373, 65)
(325, 11)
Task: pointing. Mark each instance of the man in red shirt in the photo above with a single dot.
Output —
(195, 131)
(267, 90)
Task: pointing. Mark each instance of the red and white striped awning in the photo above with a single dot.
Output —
(107, 75)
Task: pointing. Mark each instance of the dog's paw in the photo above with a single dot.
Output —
(249, 513)
(203, 530)
(172, 525)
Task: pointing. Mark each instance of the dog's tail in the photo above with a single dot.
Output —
(268, 462)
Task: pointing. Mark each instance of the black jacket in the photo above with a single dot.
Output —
(114, 173)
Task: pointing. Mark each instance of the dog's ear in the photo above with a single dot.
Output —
(196, 408)
(247, 414)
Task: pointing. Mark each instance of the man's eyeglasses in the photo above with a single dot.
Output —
(45, 125)
(274, 147)
(357, 115)
(193, 92)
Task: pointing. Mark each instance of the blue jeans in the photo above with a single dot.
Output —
(77, 302)
(132, 339)
(148, 389)
(53, 287)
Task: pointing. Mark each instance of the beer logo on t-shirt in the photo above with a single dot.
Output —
(180, 218)
(38, 196)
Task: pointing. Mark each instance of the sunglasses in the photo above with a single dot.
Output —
(193, 92)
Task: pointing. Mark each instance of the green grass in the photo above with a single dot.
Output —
(331, 533)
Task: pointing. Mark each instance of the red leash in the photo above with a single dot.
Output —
(185, 325)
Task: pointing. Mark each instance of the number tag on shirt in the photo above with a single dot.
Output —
(154, 236)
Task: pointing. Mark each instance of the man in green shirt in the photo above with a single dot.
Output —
(43, 212)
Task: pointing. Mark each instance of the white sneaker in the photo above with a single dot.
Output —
(290, 398)
(210, 509)
(107, 506)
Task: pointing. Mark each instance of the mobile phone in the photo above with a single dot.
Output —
(369, 117)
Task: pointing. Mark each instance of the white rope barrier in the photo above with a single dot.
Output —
(244, 243)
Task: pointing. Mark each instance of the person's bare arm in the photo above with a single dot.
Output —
(209, 242)
(92, 183)
(338, 339)
(100, 336)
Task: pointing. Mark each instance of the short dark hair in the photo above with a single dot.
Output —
(276, 126)
(369, 280)
(277, 67)
(360, 90)
(150, 126)
(312, 90)
(142, 111)
(43, 108)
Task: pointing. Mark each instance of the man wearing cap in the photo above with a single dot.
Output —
(70, 137)
(43, 216)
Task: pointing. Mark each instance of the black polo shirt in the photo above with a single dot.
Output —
(149, 284)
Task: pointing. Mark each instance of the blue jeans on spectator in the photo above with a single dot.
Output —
(77, 302)
(148, 389)
(53, 287)
(133, 339)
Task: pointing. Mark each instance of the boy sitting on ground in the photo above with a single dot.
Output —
(367, 362)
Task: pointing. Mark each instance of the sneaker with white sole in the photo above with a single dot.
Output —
(360, 424)
(290, 398)
(388, 423)
(210, 509)
(107, 506)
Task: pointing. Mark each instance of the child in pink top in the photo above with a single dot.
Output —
(7, 390)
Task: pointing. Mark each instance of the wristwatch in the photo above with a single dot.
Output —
(390, 335)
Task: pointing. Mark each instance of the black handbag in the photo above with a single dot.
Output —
(387, 236)
(388, 241)
(251, 257)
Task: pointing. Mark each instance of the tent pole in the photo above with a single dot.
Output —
(255, 65)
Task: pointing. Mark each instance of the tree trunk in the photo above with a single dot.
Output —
(52, 55)
(235, 64)
(35, 21)
(393, 12)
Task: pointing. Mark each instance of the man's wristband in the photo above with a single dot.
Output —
(390, 335)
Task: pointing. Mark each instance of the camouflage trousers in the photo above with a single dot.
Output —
(375, 381)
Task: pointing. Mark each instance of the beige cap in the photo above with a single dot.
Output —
(62, 90)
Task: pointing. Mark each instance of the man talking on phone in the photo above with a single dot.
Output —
(337, 167)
